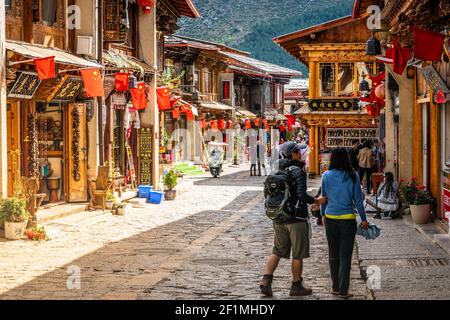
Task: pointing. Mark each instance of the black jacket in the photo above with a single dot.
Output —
(298, 178)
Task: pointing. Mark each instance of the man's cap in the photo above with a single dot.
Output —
(290, 147)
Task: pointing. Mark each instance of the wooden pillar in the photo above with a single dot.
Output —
(417, 138)
(3, 116)
(312, 79)
(314, 146)
(435, 153)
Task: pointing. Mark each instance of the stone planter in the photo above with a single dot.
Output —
(14, 230)
(121, 211)
(170, 195)
(420, 214)
(109, 205)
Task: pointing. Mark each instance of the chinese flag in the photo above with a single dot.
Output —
(163, 98)
(139, 97)
(428, 46)
(176, 113)
(173, 102)
(121, 80)
(92, 81)
(204, 124)
(45, 67)
(189, 115)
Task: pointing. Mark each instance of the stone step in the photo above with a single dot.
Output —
(60, 211)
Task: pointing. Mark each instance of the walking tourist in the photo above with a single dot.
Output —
(293, 234)
(366, 162)
(340, 185)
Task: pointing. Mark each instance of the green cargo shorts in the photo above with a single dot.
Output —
(295, 236)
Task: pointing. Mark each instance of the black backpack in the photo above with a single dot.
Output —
(278, 197)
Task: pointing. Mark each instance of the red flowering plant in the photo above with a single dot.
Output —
(414, 194)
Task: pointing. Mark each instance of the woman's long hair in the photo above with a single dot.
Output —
(388, 188)
(340, 161)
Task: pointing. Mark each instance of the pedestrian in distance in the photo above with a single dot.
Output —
(290, 217)
(260, 157)
(341, 186)
(353, 155)
(366, 163)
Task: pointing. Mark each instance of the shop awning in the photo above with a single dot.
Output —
(113, 60)
(273, 115)
(241, 112)
(32, 51)
(215, 106)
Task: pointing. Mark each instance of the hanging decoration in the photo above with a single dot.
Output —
(379, 92)
(282, 128)
(257, 122)
(203, 123)
(175, 113)
(146, 5)
(428, 46)
(213, 124)
(247, 123)
(221, 124)
(189, 115)
(76, 144)
(163, 98)
(92, 81)
(33, 147)
(45, 67)
(229, 124)
(290, 122)
(121, 81)
(139, 97)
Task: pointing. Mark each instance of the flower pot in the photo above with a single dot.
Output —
(170, 195)
(121, 211)
(420, 214)
(14, 230)
(109, 205)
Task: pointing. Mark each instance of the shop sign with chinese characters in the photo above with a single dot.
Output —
(434, 80)
(333, 104)
(25, 86)
(67, 90)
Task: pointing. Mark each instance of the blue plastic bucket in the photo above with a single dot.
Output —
(156, 197)
(144, 191)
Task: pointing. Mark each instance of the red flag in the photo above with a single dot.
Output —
(93, 83)
(138, 96)
(401, 57)
(121, 81)
(163, 97)
(45, 67)
(204, 124)
(189, 115)
(428, 46)
(257, 122)
(174, 101)
(213, 124)
(176, 113)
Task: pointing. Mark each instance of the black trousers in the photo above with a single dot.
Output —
(341, 238)
(253, 169)
(368, 172)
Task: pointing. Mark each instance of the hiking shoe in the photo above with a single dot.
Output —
(335, 292)
(266, 285)
(298, 290)
(346, 296)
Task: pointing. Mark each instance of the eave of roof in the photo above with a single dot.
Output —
(219, 45)
(186, 8)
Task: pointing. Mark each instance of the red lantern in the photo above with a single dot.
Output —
(189, 115)
(248, 124)
(379, 91)
(373, 110)
(146, 5)
(229, 124)
(221, 124)
(213, 124)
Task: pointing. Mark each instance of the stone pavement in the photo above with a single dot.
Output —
(211, 242)
(411, 266)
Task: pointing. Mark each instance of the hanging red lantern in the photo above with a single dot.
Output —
(214, 124)
(221, 124)
(229, 124)
(189, 115)
(146, 5)
(379, 91)
(248, 124)
(373, 110)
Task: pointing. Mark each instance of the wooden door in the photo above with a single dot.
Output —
(75, 179)
(13, 138)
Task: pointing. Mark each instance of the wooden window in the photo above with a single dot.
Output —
(327, 79)
(206, 81)
(345, 79)
(49, 11)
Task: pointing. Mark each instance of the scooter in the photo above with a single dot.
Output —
(215, 161)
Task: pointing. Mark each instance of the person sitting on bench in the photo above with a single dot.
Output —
(388, 199)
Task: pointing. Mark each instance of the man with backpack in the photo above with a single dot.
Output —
(286, 205)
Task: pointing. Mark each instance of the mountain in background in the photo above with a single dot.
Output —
(250, 25)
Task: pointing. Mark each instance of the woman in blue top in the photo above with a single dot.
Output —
(341, 185)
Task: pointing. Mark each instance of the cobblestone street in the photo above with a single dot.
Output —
(210, 243)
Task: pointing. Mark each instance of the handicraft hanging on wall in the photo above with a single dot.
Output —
(76, 144)
(33, 147)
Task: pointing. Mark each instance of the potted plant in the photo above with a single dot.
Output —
(121, 209)
(110, 200)
(419, 200)
(15, 214)
(36, 233)
(170, 181)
